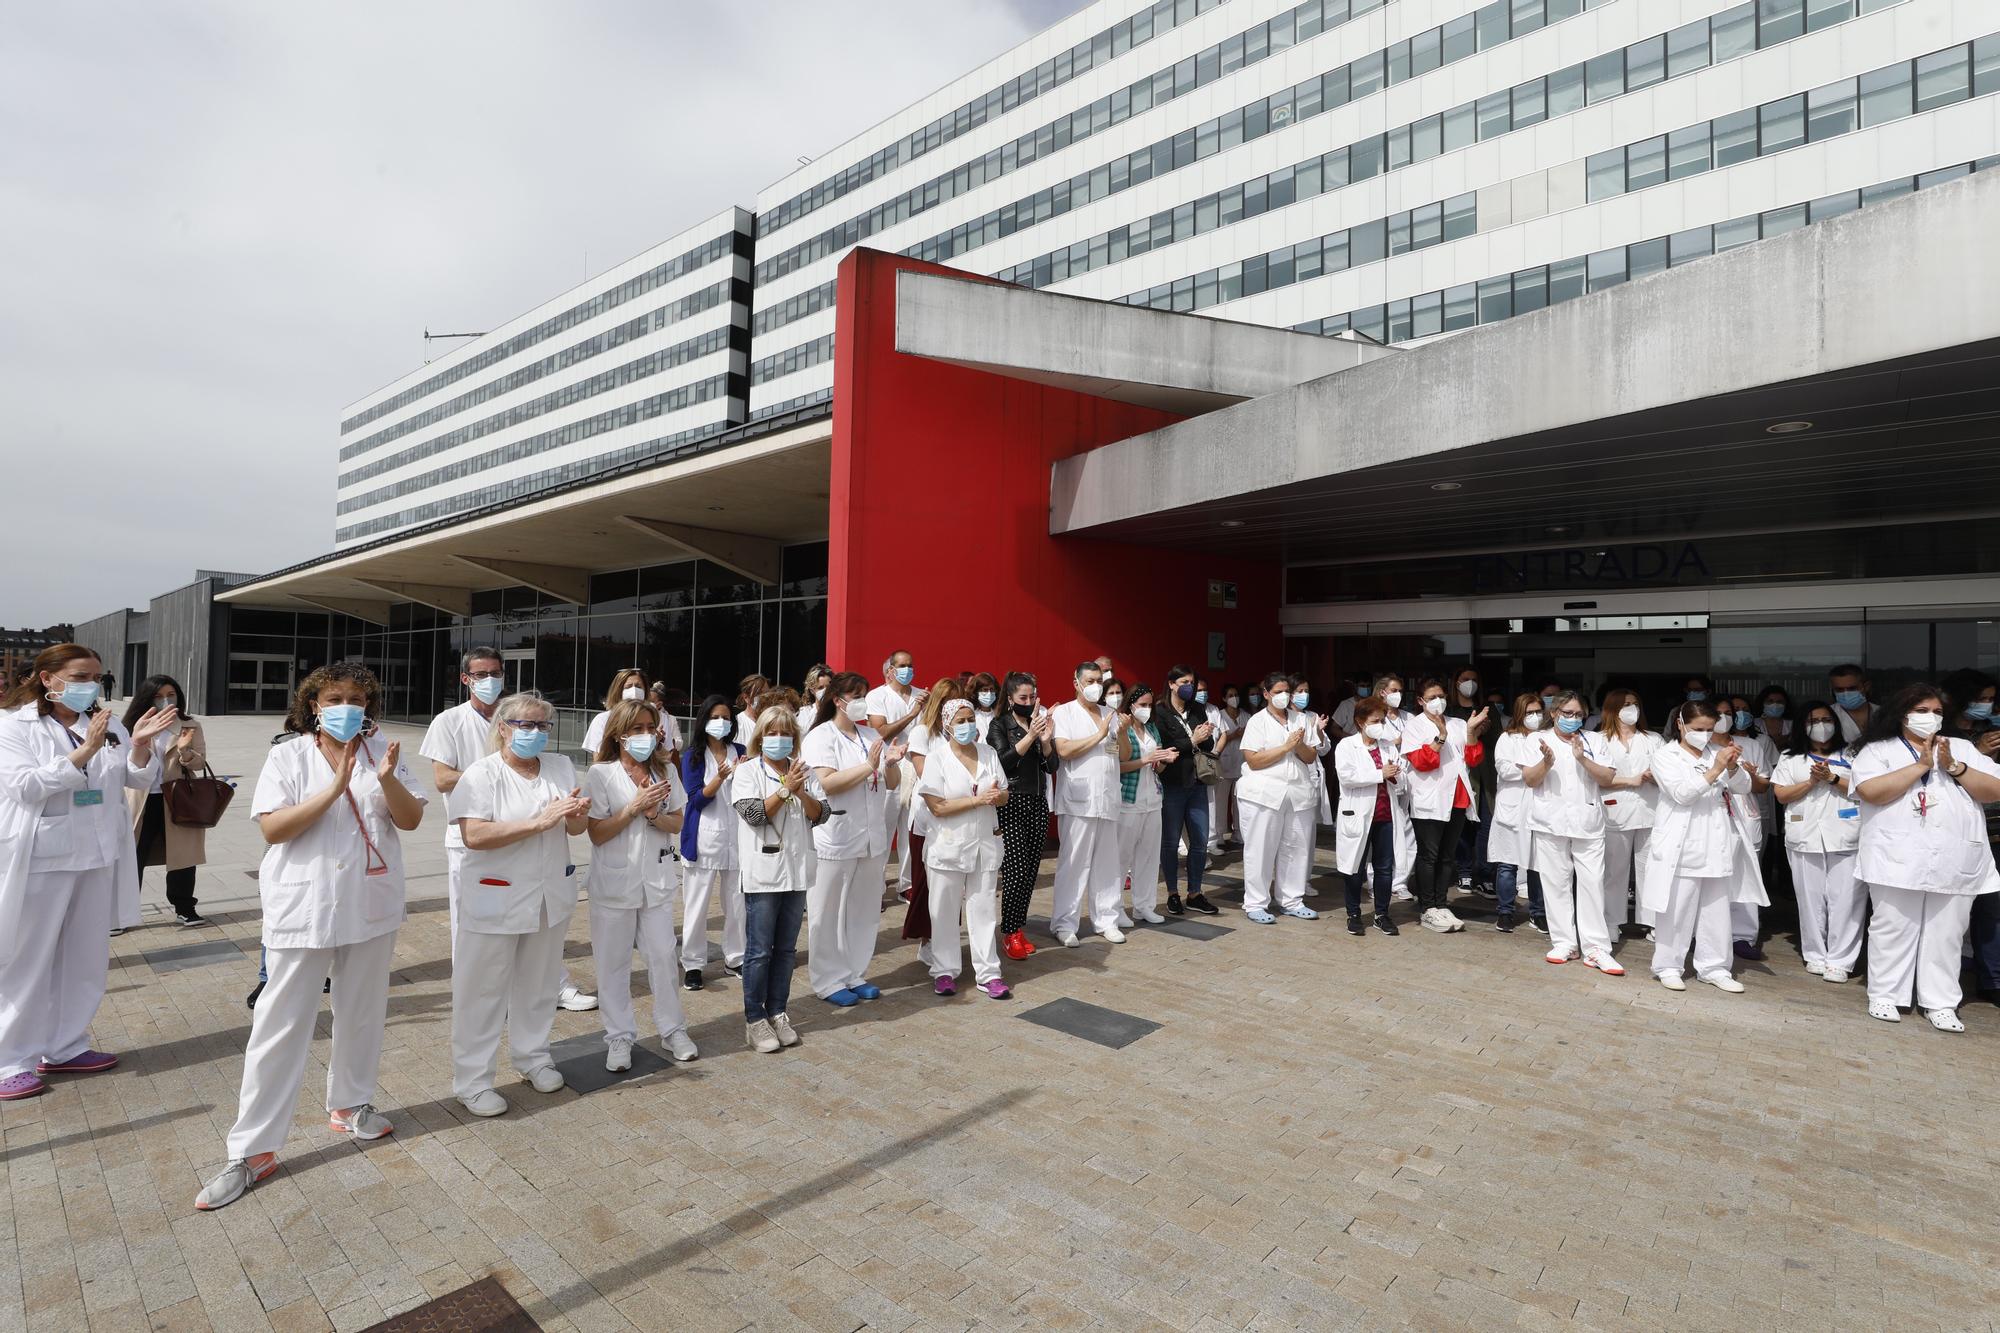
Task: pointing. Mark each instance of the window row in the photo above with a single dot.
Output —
(629, 414)
(1416, 229)
(1456, 40)
(813, 399)
(665, 449)
(792, 309)
(1905, 88)
(1163, 17)
(729, 243)
(1493, 299)
(792, 360)
(1628, 69)
(645, 367)
(672, 313)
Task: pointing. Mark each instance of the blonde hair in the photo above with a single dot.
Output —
(775, 718)
(615, 694)
(625, 716)
(941, 693)
(520, 706)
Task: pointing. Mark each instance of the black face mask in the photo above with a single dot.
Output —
(1024, 710)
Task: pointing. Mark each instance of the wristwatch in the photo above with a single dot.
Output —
(1956, 769)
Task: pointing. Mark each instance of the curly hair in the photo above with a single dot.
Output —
(301, 720)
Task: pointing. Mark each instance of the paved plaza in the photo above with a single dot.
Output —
(1321, 1132)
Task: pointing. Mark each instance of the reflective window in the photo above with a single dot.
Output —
(1831, 110)
(1781, 124)
(1885, 94)
(1687, 49)
(1605, 174)
(1646, 163)
(1943, 77)
(1733, 33)
(1780, 20)
(1645, 63)
(1606, 268)
(1687, 151)
(1734, 137)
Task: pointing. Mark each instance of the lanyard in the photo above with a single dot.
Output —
(874, 775)
(375, 862)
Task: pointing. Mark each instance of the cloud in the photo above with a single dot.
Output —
(226, 221)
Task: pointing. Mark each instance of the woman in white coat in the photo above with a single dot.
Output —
(1141, 756)
(635, 816)
(1567, 816)
(1302, 835)
(859, 774)
(517, 809)
(708, 843)
(1759, 759)
(778, 802)
(629, 686)
(1815, 785)
(1923, 853)
(1276, 790)
(332, 804)
(1442, 752)
(1628, 804)
(67, 861)
(1700, 858)
(1372, 824)
(962, 788)
(1510, 842)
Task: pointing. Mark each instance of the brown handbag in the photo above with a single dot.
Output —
(197, 802)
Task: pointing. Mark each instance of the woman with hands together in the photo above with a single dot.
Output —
(708, 842)
(331, 806)
(859, 773)
(1442, 751)
(1023, 736)
(962, 788)
(1141, 757)
(779, 802)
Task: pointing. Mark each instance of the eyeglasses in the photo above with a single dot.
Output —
(486, 675)
(527, 725)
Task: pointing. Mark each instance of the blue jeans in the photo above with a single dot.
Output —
(771, 924)
(1503, 884)
(1184, 808)
(1381, 850)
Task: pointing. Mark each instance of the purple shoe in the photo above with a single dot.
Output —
(945, 986)
(83, 1062)
(996, 989)
(21, 1086)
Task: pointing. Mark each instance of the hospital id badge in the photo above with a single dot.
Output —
(88, 796)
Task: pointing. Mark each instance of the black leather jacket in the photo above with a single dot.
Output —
(1003, 736)
(1175, 734)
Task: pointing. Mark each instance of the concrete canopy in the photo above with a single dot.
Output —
(1638, 412)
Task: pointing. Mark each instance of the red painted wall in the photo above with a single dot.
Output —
(940, 524)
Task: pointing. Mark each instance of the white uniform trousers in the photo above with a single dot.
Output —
(1088, 874)
(1623, 849)
(697, 885)
(1833, 907)
(502, 981)
(1744, 922)
(614, 933)
(897, 822)
(843, 916)
(1219, 806)
(1572, 871)
(53, 979)
(1697, 911)
(454, 859)
(1139, 857)
(1267, 872)
(281, 1034)
(976, 894)
(1915, 941)
(1293, 875)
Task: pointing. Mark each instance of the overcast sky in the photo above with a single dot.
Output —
(220, 223)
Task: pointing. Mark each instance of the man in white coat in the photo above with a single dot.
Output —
(1087, 799)
(457, 739)
(893, 708)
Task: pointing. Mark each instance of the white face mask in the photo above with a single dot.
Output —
(1142, 713)
(1090, 694)
(857, 710)
(1722, 725)
(1531, 721)
(1114, 700)
(633, 693)
(1820, 731)
(1629, 715)
(1394, 698)
(1924, 725)
(1435, 707)
(1379, 731)
(1468, 688)
(1698, 739)
(1281, 700)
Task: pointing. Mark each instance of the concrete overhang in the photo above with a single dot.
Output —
(1131, 354)
(1645, 410)
(735, 502)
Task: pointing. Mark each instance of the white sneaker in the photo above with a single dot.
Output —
(1722, 981)
(1602, 960)
(1152, 918)
(485, 1103)
(1944, 1020)
(1453, 918)
(574, 1000)
(1401, 896)
(1309, 891)
(1434, 919)
(1672, 981)
(364, 1122)
(782, 1025)
(1068, 939)
(618, 1056)
(762, 1037)
(1817, 969)
(546, 1079)
(681, 1046)
(1885, 1011)
(1124, 921)
(1558, 956)
(1834, 974)
(1113, 935)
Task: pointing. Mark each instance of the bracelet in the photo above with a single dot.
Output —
(1957, 771)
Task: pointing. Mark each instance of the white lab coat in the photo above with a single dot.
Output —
(1567, 803)
(968, 842)
(1692, 824)
(1086, 785)
(1825, 819)
(777, 857)
(1628, 809)
(1360, 777)
(1285, 785)
(1510, 842)
(1317, 735)
(526, 886)
(593, 735)
(315, 888)
(1943, 850)
(1432, 793)
(640, 868)
(857, 820)
(1760, 752)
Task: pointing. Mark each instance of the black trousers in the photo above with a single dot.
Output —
(1437, 864)
(1024, 836)
(152, 852)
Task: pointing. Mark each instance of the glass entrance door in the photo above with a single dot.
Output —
(259, 683)
(519, 664)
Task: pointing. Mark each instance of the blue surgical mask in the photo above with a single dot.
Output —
(720, 727)
(79, 696)
(1850, 699)
(641, 747)
(777, 747)
(1301, 699)
(1201, 696)
(1186, 692)
(1743, 719)
(528, 744)
(1569, 726)
(342, 721)
(965, 733)
(1256, 699)
(1981, 710)
(1774, 710)
(1548, 701)
(487, 689)
(904, 675)
(1363, 691)
(988, 698)
(1697, 696)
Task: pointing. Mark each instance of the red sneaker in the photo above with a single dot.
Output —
(1016, 946)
